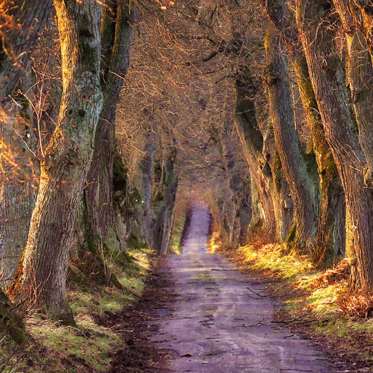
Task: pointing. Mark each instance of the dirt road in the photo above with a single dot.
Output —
(221, 321)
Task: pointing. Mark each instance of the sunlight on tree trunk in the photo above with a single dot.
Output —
(328, 80)
(301, 183)
(41, 278)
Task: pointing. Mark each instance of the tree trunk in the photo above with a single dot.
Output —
(362, 11)
(328, 81)
(101, 213)
(168, 213)
(251, 140)
(330, 241)
(302, 184)
(232, 187)
(359, 74)
(148, 187)
(18, 163)
(245, 211)
(41, 279)
(282, 202)
(207, 13)
(330, 233)
(17, 42)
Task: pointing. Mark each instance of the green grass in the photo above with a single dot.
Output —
(175, 246)
(89, 342)
(276, 258)
(299, 273)
(89, 346)
(309, 293)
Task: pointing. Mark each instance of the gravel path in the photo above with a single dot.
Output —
(220, 320)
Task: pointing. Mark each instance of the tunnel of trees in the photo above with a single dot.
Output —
(115, 114)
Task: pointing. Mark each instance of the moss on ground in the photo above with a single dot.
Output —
(89, 347)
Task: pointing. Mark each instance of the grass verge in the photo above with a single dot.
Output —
(177, 232)
(91, 345)
(315, 303)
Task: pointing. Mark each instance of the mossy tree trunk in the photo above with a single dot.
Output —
(230, 204)
(302, 184)
(41, 278)
(329, 84)
(148, 164)
(359, 73)
(245, 210)
(167, 216)
(330, 232)
(101, 215)
(282, 201)
(251, 140)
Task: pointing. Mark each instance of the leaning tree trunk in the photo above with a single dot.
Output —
(330, 240)
(168, 213)
(241, 209)
(16, 189)
(363, 14)
(18, 163)
(245, 211)
(328, 80)
(41, 278)
(282, 201)
(101, 215)
(232, 196)
(251, 140)
(360, 79)
(359, 74)
(148, 186)
(302, 184)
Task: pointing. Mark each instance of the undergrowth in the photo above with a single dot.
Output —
(90, 345)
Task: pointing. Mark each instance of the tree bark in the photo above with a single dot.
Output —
(282, 201)
(168, 212)
(207, 13)
(302, 184)
(17, 137)
(328, 81)
(362, 11)
(27, 21)
(41, 279)
(359, 73)
(330, 241)
(245, 211)
(251, 140)
(330, 232)
(232, 187)
(148, 164)
(99, 202)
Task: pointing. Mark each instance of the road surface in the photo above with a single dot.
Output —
(221, 321)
